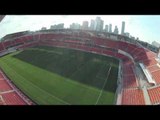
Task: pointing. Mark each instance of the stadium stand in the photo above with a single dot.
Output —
(10, 95)
(133, 97)
(132, 93)
(154, 94)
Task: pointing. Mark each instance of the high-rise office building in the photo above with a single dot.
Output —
(58, 26)
(156, 44)
(72, 26)
(116, 30)
(110, 28)
(53, 27)
(43, 28)
(98, 24)
(85, 25)
(75, 26)
(123, 27)
(92, 25)
(101, 26)
(106, 28)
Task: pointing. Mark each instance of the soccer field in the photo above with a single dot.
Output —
(60, 76)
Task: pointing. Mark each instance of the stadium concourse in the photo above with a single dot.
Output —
(139, 70)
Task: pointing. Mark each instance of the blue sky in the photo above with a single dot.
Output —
(146, 27)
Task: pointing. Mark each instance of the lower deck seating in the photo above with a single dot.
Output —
(153, 68)
(4, 86)
(154, 94)
(156, 76)
(129, 81)
(149, 62)
(12, 98)
(8, 94)
(133, 97)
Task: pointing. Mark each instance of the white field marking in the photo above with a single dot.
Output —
(1, 99)
(40, 88)
(103, 85)
(9, 91)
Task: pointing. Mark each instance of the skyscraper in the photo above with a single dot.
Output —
(116, 30)
(123, 27)
(85, 25)
(43, 28)
(110, 28)
(58, 26)
(99, 24)
(75, 26)
(106, 28)
(92, 25)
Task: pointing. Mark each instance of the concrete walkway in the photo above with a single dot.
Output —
(143, 85)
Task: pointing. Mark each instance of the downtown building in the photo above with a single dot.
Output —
(123, 28)
(98, 24)
(84, 25)
(116, 30)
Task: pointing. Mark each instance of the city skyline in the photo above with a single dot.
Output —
(144, 27)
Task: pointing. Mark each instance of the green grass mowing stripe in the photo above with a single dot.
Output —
(79, 68)
(112, 82)
(102, 72)
(14, 63)
(103, 85)
(42, 90)
(110, 87)
(98, 76)
(35, 95)
(43, 50)
(107, 98)
(87, 75)
(58, 66)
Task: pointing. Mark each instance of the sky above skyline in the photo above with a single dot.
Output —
(145, 27)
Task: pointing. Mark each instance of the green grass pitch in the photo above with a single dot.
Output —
(60, 76)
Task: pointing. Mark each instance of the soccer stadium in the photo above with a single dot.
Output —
(77, 67)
